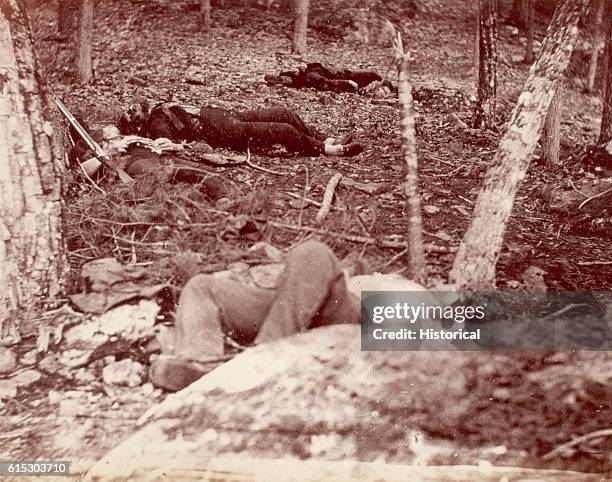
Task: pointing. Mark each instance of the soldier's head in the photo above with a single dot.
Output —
(135, 117)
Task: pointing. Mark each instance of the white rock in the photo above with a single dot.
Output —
(8, 360)
(54, 396)
(50, 363)
(8, 387)
(7, 392)
(125, 372)
(29, 358)
(84, 375)
(70, 408)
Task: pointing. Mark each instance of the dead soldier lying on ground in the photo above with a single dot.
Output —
(138, 156)
(215, 313)
(221, 128)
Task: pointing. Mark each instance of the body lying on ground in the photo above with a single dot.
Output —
(221, 128)
(138, 156)
(325, 77)
(312, 291)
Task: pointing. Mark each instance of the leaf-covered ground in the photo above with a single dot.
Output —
(157, 50)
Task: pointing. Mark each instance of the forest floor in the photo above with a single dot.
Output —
(159, 52)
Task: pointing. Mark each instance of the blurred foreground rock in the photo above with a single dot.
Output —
(311, 396)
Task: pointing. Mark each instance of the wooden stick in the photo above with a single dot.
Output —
(598, 433)
(259, 168)
(594, 197)
(383, 243)
(328, 196)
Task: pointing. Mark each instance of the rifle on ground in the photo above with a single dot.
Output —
(99, 153)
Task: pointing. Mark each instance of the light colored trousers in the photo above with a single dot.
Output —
(311, 292)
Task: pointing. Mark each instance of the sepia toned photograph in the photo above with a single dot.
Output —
(306, 240)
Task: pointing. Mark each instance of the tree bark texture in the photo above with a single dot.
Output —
(552, 131)
(300, 26)
(598, 14)
(205, 13)
(416, 261)
(605, 135)
(474, 265)
(484, 113)
(84, 43)
(530, 20)
(32, 262)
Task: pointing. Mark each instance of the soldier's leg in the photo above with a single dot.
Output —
(211, 308)
(282, 115)
(312, 292)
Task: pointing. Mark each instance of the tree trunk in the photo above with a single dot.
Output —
(300, 26)
(205, 13)
(605, 135)
(416, 261)
(66, 16)
(474, 266)
(32, 261)
(530, 20)
(84, 61)
(484, 113)
(596, 41)
(606, 55)
(552, 131)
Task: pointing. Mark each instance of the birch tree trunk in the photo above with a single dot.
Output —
(552, 131)
(605, 135)
(300, 26)
(205, 13)
(416, 260)
(84, 61)
(474, 265)
(484, 112)
(530, 20)
(32, 262)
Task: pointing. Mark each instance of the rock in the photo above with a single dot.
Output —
(125, 372)
(70, 408)
(54, 396)
(7, 392)
(319, 379)
(29, 358)
(130, 322)
(84, 375)
(50, 363)
(8, 387)
(147, 389)
(27, 377)
(8, 360)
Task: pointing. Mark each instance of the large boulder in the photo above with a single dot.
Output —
(316, 396)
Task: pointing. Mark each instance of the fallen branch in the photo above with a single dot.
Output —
(93, 183)
(594, 263)
(607, 432)
(383, 243)
(328, 196)
(259, 168)
(594, 197)
(563, 310)
(306, 187)
(367, 187)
